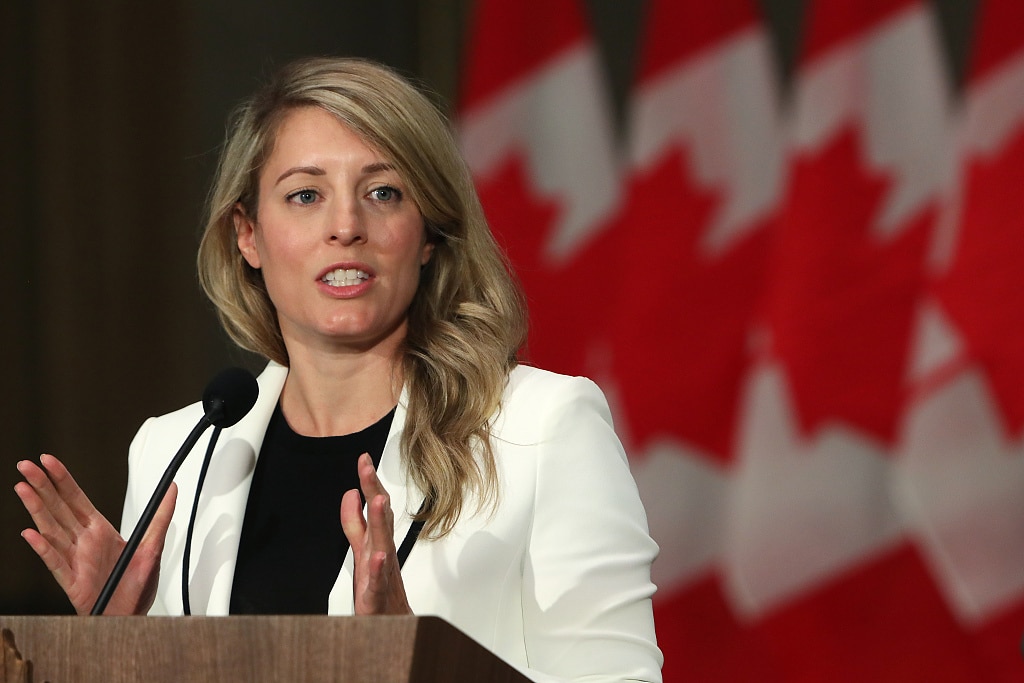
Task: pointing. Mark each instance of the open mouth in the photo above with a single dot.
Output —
(345, 277)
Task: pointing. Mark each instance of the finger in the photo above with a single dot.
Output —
(377, 579)
(41, 479)
(380, 525)
(55, 561)
(378, 560)
(380, 521)
(42, 485)
(43, 549)
(378, 550)
(156, 534)
(147, 556)
(42, 515)
(368, 480)
(352, 522)
(69, 490)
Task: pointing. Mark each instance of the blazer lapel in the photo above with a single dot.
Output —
(221, 511)
(405, 502)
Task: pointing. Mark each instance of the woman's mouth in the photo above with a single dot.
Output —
(345, 277)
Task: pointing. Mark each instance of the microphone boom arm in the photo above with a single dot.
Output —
(147, 516)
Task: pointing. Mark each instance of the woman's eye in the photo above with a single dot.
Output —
(303, 197)
(385, 193)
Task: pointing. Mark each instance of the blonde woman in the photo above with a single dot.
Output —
(345, 244)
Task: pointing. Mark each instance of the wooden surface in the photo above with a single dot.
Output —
(13, 669)
(250, 649)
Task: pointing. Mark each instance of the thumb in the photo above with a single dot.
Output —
(138, 587)
(153, 541)
(352, 521)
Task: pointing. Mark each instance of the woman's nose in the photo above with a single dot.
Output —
(347, 223)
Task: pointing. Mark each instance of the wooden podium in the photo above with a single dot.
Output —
(249, 649)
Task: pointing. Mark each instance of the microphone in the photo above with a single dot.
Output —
(227, 399)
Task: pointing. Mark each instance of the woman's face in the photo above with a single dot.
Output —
(337, 236)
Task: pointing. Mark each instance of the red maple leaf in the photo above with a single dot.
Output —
(679, 329)
(563, 314)
(842, 296)
(983, 291)
(674, 317)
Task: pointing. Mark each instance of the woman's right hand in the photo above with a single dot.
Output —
(80, 547)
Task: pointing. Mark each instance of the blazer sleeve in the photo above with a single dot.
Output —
(587, 594)
(142, 481)
(134, 502)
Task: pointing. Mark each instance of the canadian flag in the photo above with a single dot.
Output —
(705, 182)
(810, 349)
(536, 130)
(819, 560)
(961, 464)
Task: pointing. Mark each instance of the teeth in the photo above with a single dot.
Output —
(345, 277)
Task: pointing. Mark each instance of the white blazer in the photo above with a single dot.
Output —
(556, 581)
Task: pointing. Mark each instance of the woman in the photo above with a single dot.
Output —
(347, 246)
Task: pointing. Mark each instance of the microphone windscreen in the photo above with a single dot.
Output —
(229, 396)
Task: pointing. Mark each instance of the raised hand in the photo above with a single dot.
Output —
(377, 586)
(79, 546)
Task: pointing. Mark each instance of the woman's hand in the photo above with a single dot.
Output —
(377, 586)
(80, 547)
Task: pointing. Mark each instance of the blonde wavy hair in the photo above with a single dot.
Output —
(467, 319)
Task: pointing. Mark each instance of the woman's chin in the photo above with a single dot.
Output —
(362, 337)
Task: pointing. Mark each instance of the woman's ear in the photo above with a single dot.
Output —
(428, 251)
(430, 239)
(245, 235)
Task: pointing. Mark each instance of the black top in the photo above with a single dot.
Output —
(292, 546)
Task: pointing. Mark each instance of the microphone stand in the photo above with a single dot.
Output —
(147, 516)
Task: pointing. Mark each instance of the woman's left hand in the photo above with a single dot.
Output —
(377, 586)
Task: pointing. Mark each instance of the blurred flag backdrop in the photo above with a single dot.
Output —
(807, 312)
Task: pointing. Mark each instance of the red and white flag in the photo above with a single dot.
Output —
(704, 182)
(813, 361)
(818, 560)
(962, 460)
(536, 129)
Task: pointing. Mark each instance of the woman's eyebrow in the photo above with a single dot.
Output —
(378, 167)
(308, 170)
